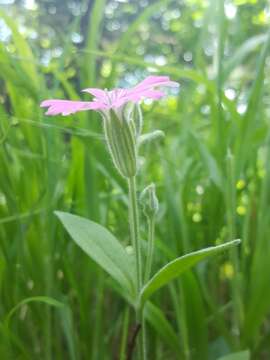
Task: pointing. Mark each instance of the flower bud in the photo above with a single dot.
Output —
(137, 119)
(149, 201)
(121, 142)
(152, 136)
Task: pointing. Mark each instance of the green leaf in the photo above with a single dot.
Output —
(176, 267)
(102, 247)
(209, 161)
(92, 39)
(67, 323)
(250, 119)
(242, 53)
(27, 59)
(241, 355)
(45, 299)
(195, 316)
(124, 41)
(174, 71)
(156, 318)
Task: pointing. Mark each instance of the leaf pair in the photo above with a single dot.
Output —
(107, 251)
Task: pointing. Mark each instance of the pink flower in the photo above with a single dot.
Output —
(104, 100)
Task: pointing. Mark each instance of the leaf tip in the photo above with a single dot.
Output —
(58, 213)
(236, 241)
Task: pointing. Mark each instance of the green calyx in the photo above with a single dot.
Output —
(121, 142)
(137, 119)
(149, 201)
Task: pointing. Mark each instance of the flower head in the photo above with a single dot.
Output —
(114, 99)
(121, 128)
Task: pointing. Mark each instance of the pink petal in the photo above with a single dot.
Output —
(152, 94)
(110, 99)
(98, 93)
(67, 107)
(136, 96)
(153, 81)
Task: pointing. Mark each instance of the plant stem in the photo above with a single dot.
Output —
(150, 249)
(124, 338)
(143, 337)
(134, 232)
(238, 312)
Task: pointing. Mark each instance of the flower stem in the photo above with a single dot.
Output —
(124, 338)
(150, 249)
(134, 232)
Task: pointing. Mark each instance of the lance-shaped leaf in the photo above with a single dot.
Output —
(98, 243)
(241, 355)
(176, 267)
(43, 299)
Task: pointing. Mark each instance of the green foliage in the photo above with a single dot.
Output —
(241, 355)
(102, 247)
(178, 266)
(42, 299)
(160, 324)
(211, 173)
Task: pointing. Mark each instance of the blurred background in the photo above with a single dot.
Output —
(211, 171)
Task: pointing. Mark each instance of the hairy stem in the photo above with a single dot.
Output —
(124, 338)
(134, 232)
(150, 248)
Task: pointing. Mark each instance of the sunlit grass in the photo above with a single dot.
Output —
(212, 178)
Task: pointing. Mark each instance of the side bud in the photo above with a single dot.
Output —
(149, 137)
(120, 138)
(137, 119)
(149, 201)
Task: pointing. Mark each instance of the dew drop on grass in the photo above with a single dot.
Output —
(227, 270)
(197, 217)
(230, 10)
(129, 250)
(240, 184)
(241, 210)
(230, 93)
(199, 190)
(60, 274)
(30, 284)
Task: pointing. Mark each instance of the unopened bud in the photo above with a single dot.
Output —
(137, 118)
(154, 135)
(149, 201)
(121, 142)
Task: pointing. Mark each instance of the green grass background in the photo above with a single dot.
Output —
(211, 171)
